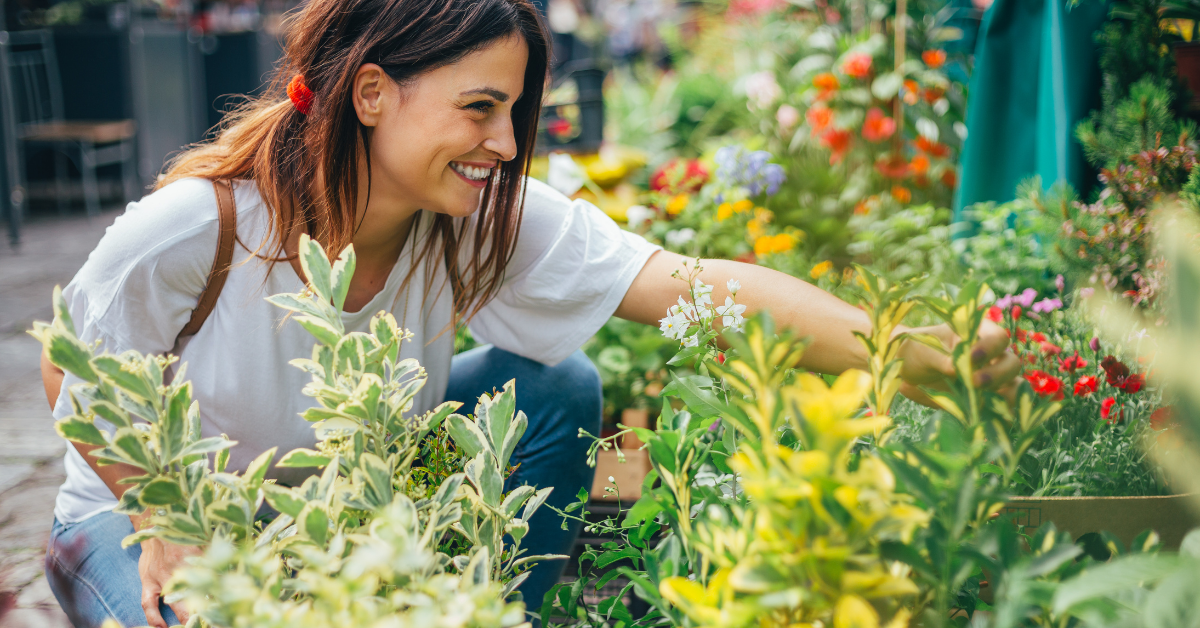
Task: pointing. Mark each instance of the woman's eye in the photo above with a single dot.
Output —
(483, 106)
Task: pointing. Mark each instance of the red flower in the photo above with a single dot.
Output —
(721, 357)
(1162, 418)
(877, 126)
(819, 118)
(857, 65)
(932, 147)
(1134, 383)
(950, 179)
(559, 128)
(1021, 335)
(680, 177)
(1038, 337)
(838, 142)
(933, 94)
(1016, 313)
(1118, 375)
(995, 314)
(919, 166)
(1050, 349)
(892, 166)
(827, 83)
(1072, 363)
(934, 58)
(1045, 384)
(1106, 407)
(1086, 385)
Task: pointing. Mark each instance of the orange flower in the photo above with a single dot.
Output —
(934, 58)
(892, 166)
(932, 147)
(919, 166)
(819, 270)
(781, 243)
(911, 92)
(827, 83)
(933, 94)
(742, 206)
(838, 142)
(901, 194)
(950, 179)
(857, 64)
(819, 118)
(877, 126)
(724, 211)
(677, 204)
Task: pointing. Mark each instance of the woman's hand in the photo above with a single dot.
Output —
(156, 566)
(996, 366)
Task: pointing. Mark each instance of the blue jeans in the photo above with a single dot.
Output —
(94, 579)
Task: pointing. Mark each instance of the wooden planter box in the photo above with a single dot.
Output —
(630, 474)
(1125, 517)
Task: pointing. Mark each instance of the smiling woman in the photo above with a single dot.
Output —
(405, 128)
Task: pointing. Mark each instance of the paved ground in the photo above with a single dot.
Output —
(30, 451)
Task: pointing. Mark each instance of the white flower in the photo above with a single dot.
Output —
(691, 341)
(674, 326)
(703, 294)
(928, 129)
(731, 315)
(564, 174)
(733, 286)
(941, 106)
(762, 90)
(638, 215)
(612, 480)
(679, 237)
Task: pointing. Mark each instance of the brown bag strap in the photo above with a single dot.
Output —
(227, 222)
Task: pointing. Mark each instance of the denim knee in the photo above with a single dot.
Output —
(578, 375)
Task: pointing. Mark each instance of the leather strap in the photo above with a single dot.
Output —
(227, 235)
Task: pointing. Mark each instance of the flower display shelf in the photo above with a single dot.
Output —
(1170, 516)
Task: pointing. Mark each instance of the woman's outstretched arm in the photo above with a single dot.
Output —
(811, 312)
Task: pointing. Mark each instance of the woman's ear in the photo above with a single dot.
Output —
(370, 85)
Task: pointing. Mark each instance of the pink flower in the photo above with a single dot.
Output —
(787, 116)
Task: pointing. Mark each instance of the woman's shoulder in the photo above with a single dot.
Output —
(164, 242)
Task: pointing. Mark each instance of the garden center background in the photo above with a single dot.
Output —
(933, 142)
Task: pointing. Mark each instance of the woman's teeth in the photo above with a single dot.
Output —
(473, 173)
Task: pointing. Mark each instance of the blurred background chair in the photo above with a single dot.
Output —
(33, 115)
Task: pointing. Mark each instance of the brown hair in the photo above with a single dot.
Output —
(282, 150)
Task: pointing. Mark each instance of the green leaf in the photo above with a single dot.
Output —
(320, 329)
(515, 432)
(127, 443)
(316, 267)
(340, 274)
(296, 304)
(283, 500)
(229, 512)
(207, 446)
(160, 492)
(700, 401)
(1122, 574)
(79, 431)
(129, 376)
(607, 558)
(257, 469)
(111, 413)
(887, 85)
(645, 508)
(71, 355)
(313, 522)
(467, 436)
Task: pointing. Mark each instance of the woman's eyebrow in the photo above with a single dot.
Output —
(494, 93)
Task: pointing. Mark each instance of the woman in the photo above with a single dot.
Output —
(408, 133)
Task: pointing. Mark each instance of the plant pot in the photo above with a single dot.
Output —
(629, 474)
(1187, 64)
(1125, 517)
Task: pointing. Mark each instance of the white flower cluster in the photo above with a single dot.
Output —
(701, 311)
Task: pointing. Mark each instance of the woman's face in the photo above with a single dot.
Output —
(437, 141)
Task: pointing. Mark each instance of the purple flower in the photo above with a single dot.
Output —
(1045, 306)
(1025, 299)
(1094, 345)
(1060, 283)
(1005, 302)
(737, 167)
(1086, 293)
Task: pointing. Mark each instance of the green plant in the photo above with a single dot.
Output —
(356, 543)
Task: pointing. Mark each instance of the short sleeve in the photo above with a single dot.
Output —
(139, 286)
(571, 268)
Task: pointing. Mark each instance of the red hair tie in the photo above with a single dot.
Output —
(300, 95)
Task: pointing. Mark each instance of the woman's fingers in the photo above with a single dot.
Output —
(181, 612)
(151, 592)
(993, 342)
(999, 373)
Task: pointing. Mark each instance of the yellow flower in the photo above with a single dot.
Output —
(724, 211)
(742, 206)
(781, 243)
(819, 270)
(676, 205)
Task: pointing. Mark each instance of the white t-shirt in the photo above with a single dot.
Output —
(571, 268)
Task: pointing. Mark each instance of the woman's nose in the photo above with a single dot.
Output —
(502, 141)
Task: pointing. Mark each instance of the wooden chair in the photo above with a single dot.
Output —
(33, 114)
